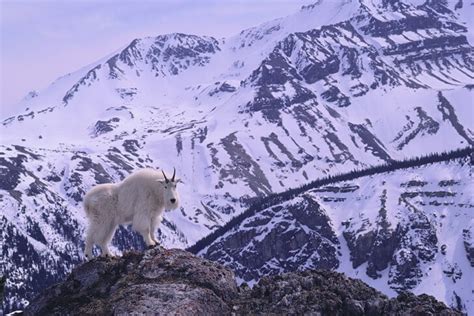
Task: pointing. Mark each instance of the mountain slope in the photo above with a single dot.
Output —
(398, 230)
(336, 86)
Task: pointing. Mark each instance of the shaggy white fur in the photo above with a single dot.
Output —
(140, 199)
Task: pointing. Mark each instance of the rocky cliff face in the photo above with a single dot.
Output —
(175, 282)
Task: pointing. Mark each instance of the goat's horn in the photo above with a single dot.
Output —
(174, 174)
(164, 175)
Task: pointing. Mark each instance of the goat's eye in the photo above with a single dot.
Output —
(166, 187)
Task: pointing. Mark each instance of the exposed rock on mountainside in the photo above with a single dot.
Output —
(468, 237)
(286, 237)
(392, 230)
(174, 282)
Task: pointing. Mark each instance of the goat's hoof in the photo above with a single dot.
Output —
(154, 246)
(105, 257)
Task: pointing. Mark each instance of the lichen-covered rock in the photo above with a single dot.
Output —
(175, 282)
(160, 281)
(329, 293)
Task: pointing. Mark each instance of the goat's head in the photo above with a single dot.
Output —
(170, 193)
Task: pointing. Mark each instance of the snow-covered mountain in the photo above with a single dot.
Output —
(336, 86)
(408, 229)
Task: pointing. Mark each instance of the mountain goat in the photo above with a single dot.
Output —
(140, 199)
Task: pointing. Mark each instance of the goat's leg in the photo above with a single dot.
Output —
(155, 221)
(106, 236)
(141, 224)
(90, 240)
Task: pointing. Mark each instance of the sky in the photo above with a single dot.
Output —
(41, 40)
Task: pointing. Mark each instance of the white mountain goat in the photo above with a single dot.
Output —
(140, 199)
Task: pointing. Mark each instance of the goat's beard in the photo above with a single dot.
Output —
(171, 206)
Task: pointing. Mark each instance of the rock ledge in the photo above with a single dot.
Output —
(175, 282)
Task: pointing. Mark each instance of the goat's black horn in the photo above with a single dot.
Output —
(174, 174)
(164, 175)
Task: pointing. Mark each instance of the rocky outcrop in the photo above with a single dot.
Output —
(166, 282)
(175, 282)
(468, 239)
(3, 279)
(329, 293)
(291, 237)
(376, 247)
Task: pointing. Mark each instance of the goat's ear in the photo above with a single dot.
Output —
(161, 181)
(179, 181)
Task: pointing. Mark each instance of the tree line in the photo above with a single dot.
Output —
(277, 198)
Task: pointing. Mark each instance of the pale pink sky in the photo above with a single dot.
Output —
(42, 40)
